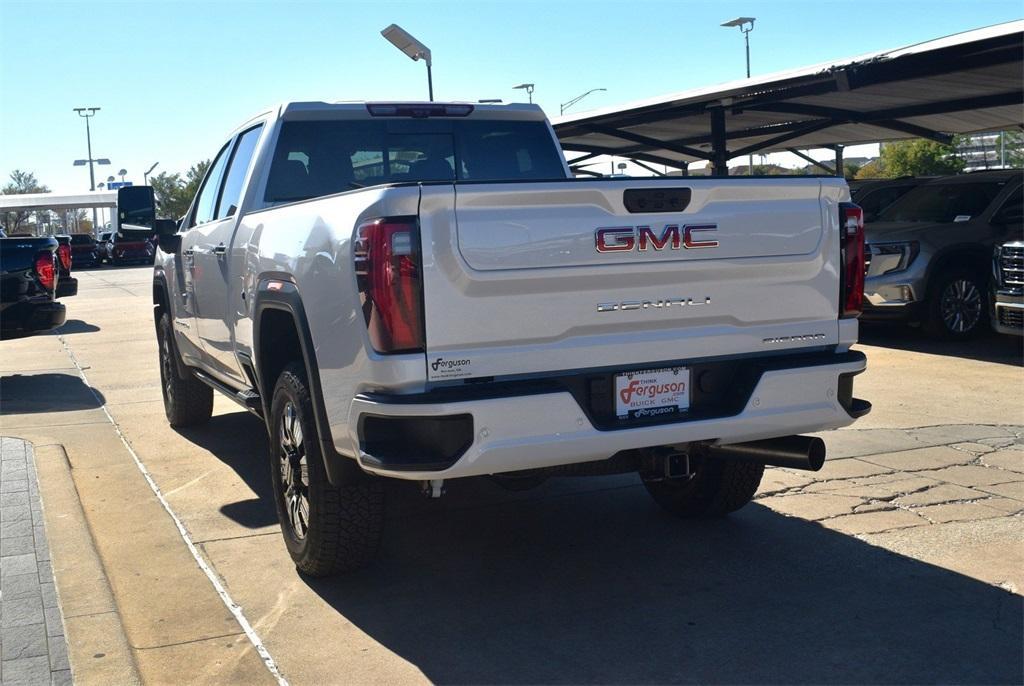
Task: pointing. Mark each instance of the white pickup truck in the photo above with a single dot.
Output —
(420, 291)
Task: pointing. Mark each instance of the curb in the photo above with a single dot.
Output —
(97, 645)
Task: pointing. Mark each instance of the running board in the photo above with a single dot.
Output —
(248, 398)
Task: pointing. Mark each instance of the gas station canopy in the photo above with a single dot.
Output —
(57, 201)
(965, 83)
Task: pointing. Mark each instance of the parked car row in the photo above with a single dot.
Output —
(112, 248)
(929, 244)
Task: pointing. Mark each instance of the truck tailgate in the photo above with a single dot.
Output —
(524, 278)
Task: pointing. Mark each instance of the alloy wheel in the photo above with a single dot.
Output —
(294, 471)
(961, 306)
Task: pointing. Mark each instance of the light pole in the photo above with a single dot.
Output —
(746, 25)
(145, 174)
(403, 40)
(86, 113)
(566, 105)
(528, 87)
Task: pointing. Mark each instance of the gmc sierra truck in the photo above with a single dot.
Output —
(421, 291)
(29, 286)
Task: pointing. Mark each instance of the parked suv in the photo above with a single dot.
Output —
(1008, 288)
(876, 195)
(928, 256)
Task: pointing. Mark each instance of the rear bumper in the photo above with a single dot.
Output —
(1008, 317)
(27, 319)
(547, 429)
(67, 286)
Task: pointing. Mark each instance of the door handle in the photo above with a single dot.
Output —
(220, 250)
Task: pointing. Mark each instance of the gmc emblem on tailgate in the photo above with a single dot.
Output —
(643, 238)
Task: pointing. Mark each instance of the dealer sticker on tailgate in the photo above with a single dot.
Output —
(651, 393)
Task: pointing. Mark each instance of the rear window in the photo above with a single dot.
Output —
(942, 202)
(316, 158)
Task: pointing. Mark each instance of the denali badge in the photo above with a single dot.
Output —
(651, 304)
(643, 238)
(794, 339)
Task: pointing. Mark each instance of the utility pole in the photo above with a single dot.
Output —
(746, 25)
(87, 113)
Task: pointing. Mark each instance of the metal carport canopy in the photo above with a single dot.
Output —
(964, 83)
(57, 201)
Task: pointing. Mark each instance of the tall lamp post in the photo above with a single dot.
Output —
(86, 113)
(746, 25)
(403, 40)
(145, 174)
(528, 87)
(566, 105)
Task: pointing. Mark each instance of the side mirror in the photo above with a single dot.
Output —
(136, 208)
(167, 237)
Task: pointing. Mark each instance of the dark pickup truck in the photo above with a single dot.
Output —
(29, 275)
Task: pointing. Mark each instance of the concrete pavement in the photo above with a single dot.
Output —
(899, 562)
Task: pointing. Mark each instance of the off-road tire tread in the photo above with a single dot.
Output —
(192, 403)
(346, 521)
(719, 487)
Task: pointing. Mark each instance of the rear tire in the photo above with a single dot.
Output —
(327, 529)
(716, 488)
(187, 400)
(957, 307)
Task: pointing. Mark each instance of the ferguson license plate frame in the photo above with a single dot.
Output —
(650, 393)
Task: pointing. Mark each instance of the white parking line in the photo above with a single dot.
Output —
(225, 597)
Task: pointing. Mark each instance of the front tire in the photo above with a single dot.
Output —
(716, 488)
(327, 528)
(187, 400)
(957, 309)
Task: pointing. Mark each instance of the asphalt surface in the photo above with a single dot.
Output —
(900, 562)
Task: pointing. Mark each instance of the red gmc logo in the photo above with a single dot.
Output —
(643, 238)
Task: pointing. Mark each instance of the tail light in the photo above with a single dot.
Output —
(387, 265)
(851, 289)
(46, 270)
(64, 254)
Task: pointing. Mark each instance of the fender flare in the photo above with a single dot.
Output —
(284, 296)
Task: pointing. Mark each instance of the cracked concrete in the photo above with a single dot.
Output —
(870, 492)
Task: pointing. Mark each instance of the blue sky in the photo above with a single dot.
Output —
(173, 78)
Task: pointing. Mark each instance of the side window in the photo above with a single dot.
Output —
(240, 160)
(207, 198)
(1012, 209)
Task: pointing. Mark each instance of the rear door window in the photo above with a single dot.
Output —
(241, 158)
(943, 202)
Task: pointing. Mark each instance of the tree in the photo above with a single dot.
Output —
(871, 170)
(919, 157)
(21, 182)
(173, 193)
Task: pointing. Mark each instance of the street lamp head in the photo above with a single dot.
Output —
(150, 170)
(404, 41)
(81, 163)
(525, 86)
(740, 22)
(102, 160)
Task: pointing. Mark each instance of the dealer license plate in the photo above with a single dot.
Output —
(652, 393)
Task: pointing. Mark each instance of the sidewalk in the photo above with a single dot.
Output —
(32, 644)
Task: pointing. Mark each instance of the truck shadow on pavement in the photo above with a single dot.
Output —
(74, 326)
(588, 582)
(32, 393)
(239, 440)
(987, 347)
